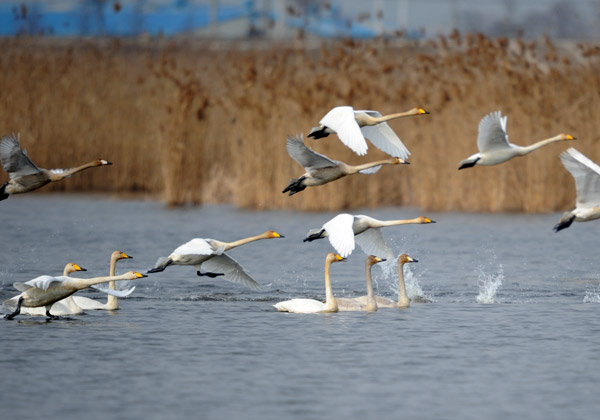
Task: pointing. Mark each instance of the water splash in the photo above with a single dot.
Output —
(411, 281)
(489, 285)
(592, 294)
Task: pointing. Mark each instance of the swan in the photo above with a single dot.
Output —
(364, 303)
(321, 170)
(587, 183)
(493, 144)
(112, 303)
(211, 253)
(403, 300)
(24, 175)
(353, 126)
(46, 290)
(344, 229)
(311, 306)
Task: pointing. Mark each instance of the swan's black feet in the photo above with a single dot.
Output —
(16, 312)
(209, 274)
(156, 270)
(50, 316)
(314, 236)
(295, 186)
(563, 224)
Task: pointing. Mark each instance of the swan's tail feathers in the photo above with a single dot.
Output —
(318, 132)
(314, 234)
(161, 264)
(295, 186)
(3, 194)
(564, 223)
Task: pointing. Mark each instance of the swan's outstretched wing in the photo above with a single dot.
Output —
(372, 242)
(14, 160)
(383, 137)
(587, 177)
(117, 293)
(305, 156)
(492, 132)
(340, 233)
(197, 246)
(341, 120)
(41, 282)
(233, 271)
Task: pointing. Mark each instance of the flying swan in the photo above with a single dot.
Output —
(353, 126)
(24, 175)
(46, 290)
(344, 229)
(587, 183)
(311, 306)
(493, 144)
(364, 303)
(211, 254)
(321, 170)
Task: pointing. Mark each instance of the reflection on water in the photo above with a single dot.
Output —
(182, 345)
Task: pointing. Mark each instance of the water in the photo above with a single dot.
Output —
(182, 346)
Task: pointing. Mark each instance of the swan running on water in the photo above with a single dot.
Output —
(46, 290)
(493, 145)
(311, 306)
(321, 170)
(344, 229)
(211, 254)
(24, 175)
(364, 303)
(112, 304)
(587, 183)
(353, 126)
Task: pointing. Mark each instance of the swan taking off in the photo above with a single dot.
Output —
(345, 228)
(46, 290)
(353, 126)
(364, 303)
(311, 306)
(211, 254)
(321, 170)
(493, 144)
(24, 175)
(587, 183)
(112, 303)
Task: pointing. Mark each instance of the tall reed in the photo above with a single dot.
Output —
(188, 122)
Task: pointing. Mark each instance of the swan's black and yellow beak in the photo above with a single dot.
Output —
(140, 275)
(412, 259)
(78, 268)
(124, 255)
(423, 112)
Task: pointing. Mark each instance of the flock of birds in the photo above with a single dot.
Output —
(52, 296)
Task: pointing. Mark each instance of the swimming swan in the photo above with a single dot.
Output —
(353, 126)
(211, 253)
(66, 306)
(587, 183)
(403, 300)
(493, 144)
(321, 170)
(24, 175)
(46, 290)
(311, 306)
(112, 304)
(344, 229)
(364, 303)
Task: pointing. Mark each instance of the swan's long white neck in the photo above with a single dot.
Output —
(230, 245)
(369, 120)
(112, 303)
(403, 300)
(371, 302)
(523, 150)
(351, 169)
(83, 283)
(330, 302)
(384, 223)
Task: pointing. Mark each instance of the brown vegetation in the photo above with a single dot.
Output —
(194, 124)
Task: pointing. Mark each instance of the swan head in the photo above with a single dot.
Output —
(118, 255)
(404, 258)
(102, 162)
(419, 111)
(72, 268)
(424, 220)
(332, 257)
(564, 136)
(132, 275)
(399, 161)
(270, 234)
(372, 260)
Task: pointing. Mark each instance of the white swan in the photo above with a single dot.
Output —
(344, 229)
(112, 304)
(311, 306)
(321, 170)
(353, 126)
(46, 290)
(493, 144)
(211, 254)
(587, 183)
(403, 300)
(24, 175)
(364, 303)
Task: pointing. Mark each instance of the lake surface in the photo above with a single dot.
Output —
(513, 330)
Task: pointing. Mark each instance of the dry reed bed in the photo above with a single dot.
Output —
(191, 124)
